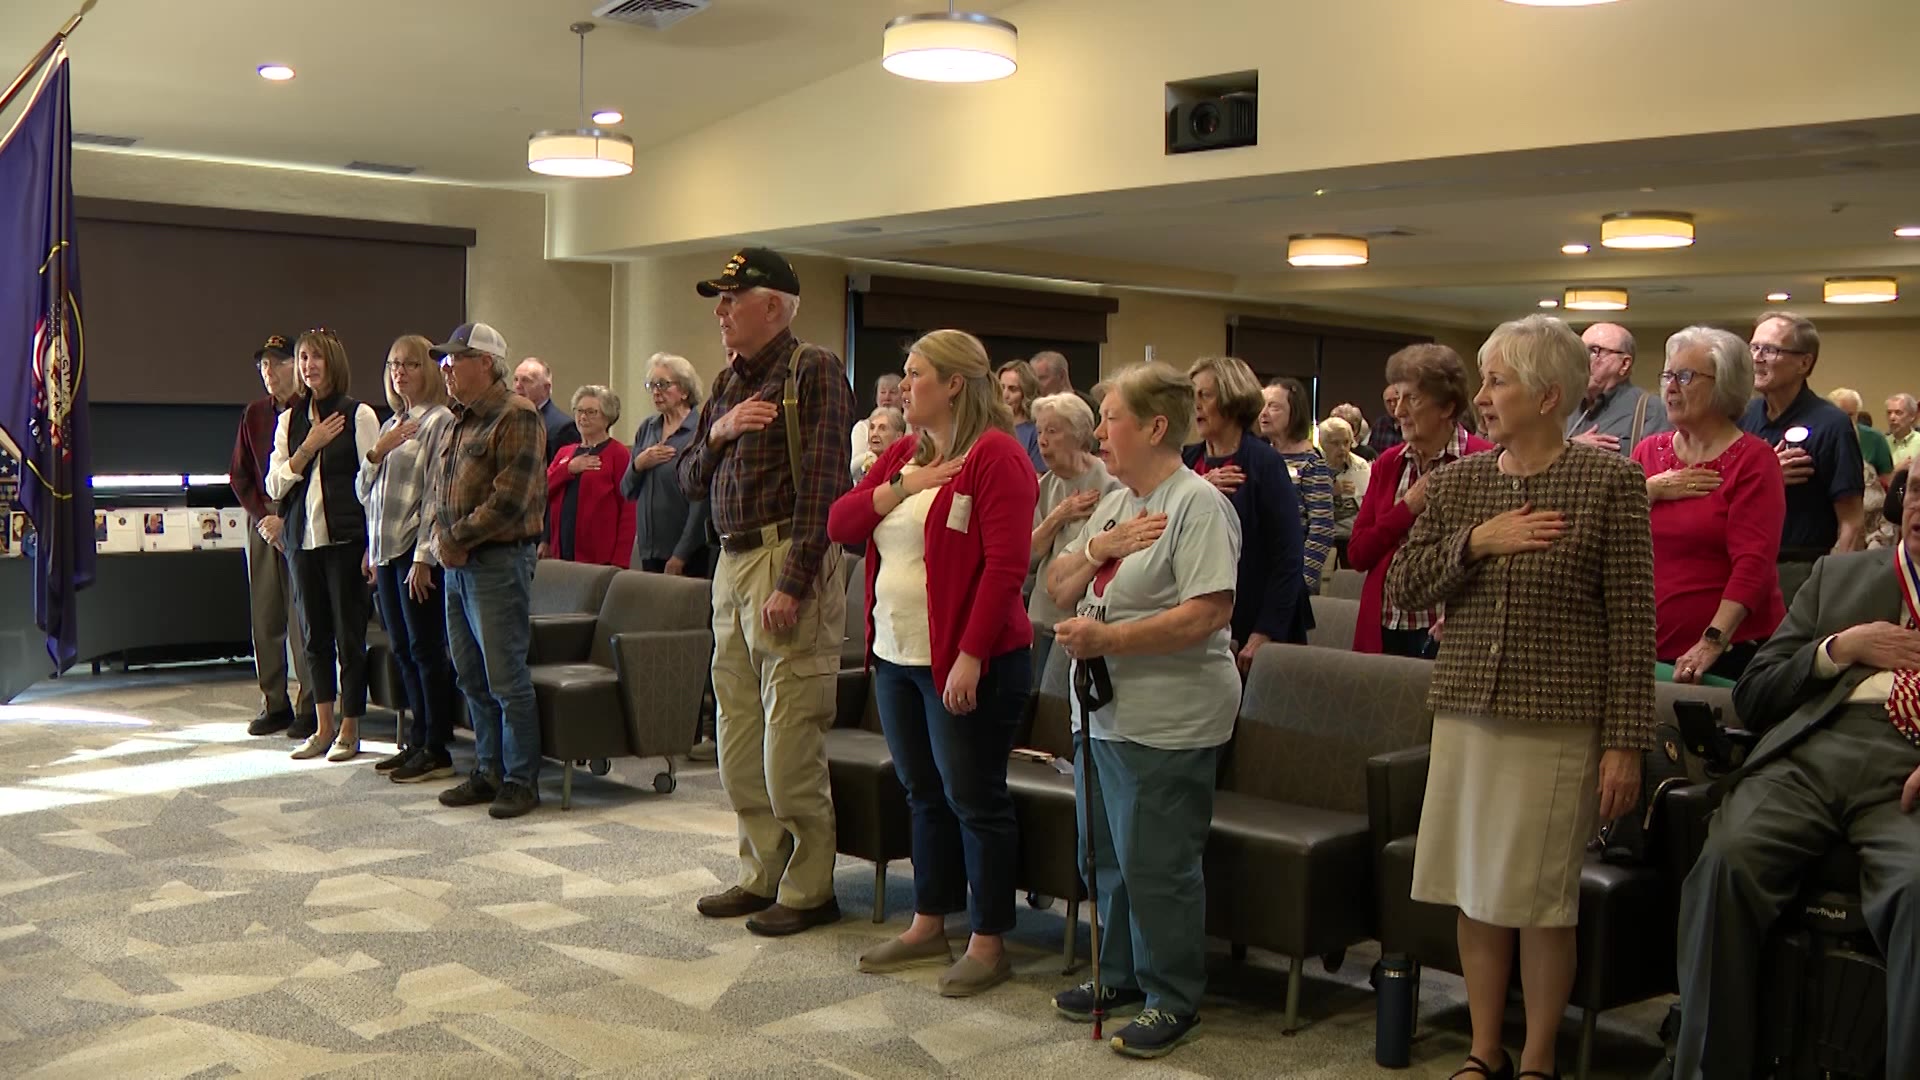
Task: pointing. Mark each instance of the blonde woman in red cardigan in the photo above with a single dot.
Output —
(947, 520)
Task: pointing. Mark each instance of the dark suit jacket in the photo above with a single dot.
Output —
(1270, 596)
(1780, 694)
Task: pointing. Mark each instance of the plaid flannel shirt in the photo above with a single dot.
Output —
(489, 482)
(394, 490)
(748, 483)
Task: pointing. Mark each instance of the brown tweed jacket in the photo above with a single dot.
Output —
(1562, 636)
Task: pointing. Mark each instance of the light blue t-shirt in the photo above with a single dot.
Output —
(1184, 700)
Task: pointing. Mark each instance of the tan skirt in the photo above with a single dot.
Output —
(1510, 805)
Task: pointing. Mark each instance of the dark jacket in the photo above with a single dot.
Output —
(346, 518)
(1270, 593)
(561, 430)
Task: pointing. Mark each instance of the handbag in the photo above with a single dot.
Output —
(1691, 749)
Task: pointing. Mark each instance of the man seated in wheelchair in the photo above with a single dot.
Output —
(1836, 693)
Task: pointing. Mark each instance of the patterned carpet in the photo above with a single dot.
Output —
(178, 899)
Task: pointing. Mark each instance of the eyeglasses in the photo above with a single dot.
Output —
(1683, 377)
(659, 384)
(1598, 351)
(1772, 352)
(588, 412)
(404, 365)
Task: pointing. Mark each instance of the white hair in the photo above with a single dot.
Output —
(1072, 411)
(681, 372)
(1544, 354)
(1732, 365)
(1906, 402)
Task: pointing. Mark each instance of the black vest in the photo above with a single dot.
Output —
(346, 518)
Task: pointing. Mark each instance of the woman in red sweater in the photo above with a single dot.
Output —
(1432, 403)
(588, 520)
(947, 518)
(1718, 503)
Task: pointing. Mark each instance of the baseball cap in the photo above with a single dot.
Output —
(277, 344)
(472, 337)
(753, 268)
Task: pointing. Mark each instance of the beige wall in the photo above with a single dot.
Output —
(1879, 358)
(559, 311)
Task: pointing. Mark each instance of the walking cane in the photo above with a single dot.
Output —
(1085, 691)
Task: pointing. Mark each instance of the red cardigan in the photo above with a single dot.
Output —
(603, 521)
(1378, 532)
(973, 576)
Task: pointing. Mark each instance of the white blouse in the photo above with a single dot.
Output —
(281, 478)
(900, 633)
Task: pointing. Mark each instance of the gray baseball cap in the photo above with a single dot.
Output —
(472, 337)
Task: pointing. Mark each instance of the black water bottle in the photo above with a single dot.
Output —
(1393, 985)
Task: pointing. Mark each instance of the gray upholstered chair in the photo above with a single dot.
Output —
(630, 685)
(1342, 585)
(1334, 620)
(1289, 861)
(870, 815)
(1043, 801)
(853, 648)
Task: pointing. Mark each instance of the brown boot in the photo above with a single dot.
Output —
(732, 904)
(781, 920)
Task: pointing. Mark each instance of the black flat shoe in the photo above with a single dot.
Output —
(1476, 1067)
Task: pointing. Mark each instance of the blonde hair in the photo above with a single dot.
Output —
(978, 406)
(434, 388)
(1073, 412)
(1029, 383)
(609, 401)
(1156, 389)
(332, 354)
(1544, 353)
(1237, 388)
(1335, 430)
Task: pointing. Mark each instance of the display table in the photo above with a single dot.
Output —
(191, 603)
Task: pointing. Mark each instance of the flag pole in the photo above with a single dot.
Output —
(46, 50)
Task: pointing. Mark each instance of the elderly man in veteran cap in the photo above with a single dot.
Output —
(770, 455)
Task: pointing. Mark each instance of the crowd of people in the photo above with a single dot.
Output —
(1552, 541)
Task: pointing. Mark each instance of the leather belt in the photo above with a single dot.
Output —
(754, 539)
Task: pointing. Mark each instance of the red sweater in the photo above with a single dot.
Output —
(973, 574)
(603, 521)
(1379, 530)
(1705, 550)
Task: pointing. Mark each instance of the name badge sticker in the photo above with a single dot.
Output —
(960, 514)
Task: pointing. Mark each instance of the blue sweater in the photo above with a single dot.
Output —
(1270, 594)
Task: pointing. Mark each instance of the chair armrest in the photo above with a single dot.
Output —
(1396, 788)
(850, 698)
(662, 676)
(561, 639)
(1686, 812)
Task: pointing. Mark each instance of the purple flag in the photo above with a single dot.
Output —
(43, 385)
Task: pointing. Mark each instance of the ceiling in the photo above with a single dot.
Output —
(453, 87)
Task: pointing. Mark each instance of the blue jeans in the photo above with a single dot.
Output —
(419, 635)
(1151, 810)
(489, 625)
(954, 768)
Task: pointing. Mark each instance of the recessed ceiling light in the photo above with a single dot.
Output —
(1778, 297)
(1907, 231)
(1647, 230)
(608, 116)
(275, 72)
(1549, 302)
(1574, 249)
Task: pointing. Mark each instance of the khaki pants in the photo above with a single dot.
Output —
(776, 701)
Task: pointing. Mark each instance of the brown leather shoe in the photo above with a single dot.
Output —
(781, 920)
(732, 904)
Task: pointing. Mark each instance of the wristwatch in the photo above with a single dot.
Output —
(899, 484)
(1714, 637)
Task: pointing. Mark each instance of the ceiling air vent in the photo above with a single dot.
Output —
(652, 14)
(382, 168)
(86, 138)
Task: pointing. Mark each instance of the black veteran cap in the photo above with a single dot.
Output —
(276, 345)
(753, 268)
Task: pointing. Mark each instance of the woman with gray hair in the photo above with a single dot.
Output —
(670, 531)
(1351, 475)
(587, 519)
(1718, 503)
(1543, 691)
(1075, 480)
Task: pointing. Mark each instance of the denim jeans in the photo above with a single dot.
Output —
(954, 768)
(489, 624)
(418, 631)
(1151, 810)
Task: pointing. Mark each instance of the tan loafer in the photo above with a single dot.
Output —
(344, 750)
(898, 955)
(968, 976)
(312, 748)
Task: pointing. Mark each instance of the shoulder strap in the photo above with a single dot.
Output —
(1639, 420)
(790, 406)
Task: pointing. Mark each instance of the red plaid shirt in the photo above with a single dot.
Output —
(748, 483)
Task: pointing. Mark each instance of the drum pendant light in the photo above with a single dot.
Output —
(585, 151)
(950, 46)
